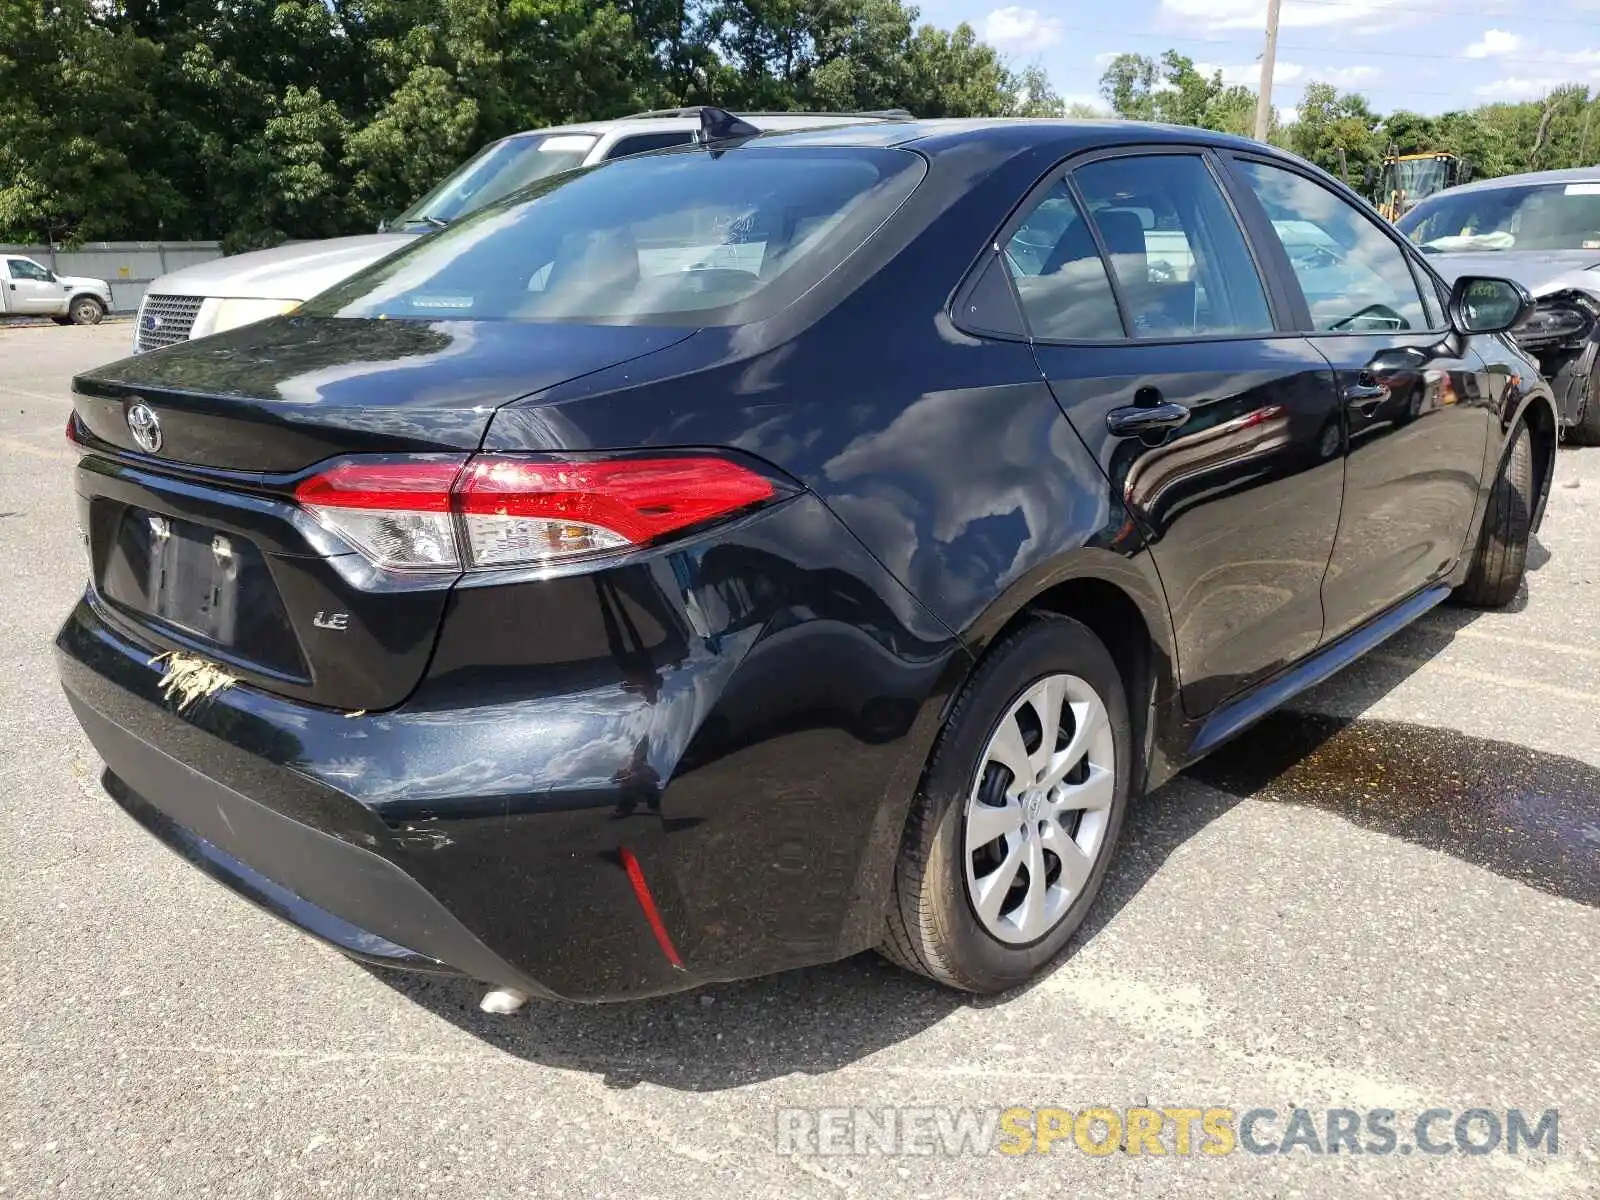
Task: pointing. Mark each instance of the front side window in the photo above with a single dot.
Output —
(26, 268)
(1355, 278)
(690, 238)
(1181, 261)
(1060, 277)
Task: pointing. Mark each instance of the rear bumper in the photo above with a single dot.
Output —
(312, 857)
(748, 730)
(350, 898)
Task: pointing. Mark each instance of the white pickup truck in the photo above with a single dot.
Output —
(30, 290)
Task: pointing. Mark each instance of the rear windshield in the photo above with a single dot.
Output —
(495, 172)
(689, 237)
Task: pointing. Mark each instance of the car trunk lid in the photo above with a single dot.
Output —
(283, 394)
(196, 541)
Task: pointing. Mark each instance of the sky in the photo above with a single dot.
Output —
(1429, 56)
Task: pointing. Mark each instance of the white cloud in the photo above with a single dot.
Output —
(1288, 116)
(1249, 74)
(1252, 14)
(1494, 43)
(1345, 77)
(1514, 87)
(1021, 28)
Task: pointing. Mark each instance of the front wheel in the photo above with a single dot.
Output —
(1009, 838)
(86, 310)
(1501, 559)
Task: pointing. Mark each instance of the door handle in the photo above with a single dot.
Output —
(1135, 420)
(1364, 394)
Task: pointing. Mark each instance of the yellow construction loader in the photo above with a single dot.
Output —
(1406, 179)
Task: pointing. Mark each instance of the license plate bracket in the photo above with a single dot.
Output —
(192, 578)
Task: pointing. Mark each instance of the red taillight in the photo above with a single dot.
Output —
(522, 509)
(448, 512)
(413, 484)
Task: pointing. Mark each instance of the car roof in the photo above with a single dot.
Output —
(932, 136)
(1067, 136)
(675, 120)
(1531, 179)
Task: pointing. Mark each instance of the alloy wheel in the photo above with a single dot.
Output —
(1037, 814)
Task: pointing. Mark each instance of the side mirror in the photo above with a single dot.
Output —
(1482, 304)
(383, 225)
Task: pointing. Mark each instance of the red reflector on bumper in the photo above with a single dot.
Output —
(641, 892)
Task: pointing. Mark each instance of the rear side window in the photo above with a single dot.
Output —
(1181, 261)
(686, 238)
(1060, 278)
(1355, 278)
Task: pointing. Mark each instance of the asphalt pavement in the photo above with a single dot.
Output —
(1386, 899)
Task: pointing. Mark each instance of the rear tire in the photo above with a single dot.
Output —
(86, 310)
(1501, 559)
(957, 915)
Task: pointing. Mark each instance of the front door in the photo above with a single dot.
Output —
(1221, 435)
(30, 289)
(1416, 406)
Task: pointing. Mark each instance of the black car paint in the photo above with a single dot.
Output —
(747, 712)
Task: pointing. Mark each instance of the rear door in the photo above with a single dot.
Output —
(1416, 408)
(1220, 433)
(30, 289)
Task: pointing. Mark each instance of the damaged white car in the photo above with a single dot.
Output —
(1543, 230)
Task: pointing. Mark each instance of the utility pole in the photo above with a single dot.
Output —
(1264, 98)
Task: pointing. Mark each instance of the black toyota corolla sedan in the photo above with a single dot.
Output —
(741, 557)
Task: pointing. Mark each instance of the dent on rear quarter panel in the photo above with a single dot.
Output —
(737, 710)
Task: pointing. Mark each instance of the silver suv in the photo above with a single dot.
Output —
(233, 291)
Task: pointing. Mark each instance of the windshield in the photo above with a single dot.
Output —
(1416, 178)
(1552, 216)
(497, 170)
(682, 237)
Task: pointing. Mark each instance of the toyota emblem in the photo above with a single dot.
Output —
(145, 427)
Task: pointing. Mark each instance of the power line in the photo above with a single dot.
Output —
(1340, 50)
(1461, 12)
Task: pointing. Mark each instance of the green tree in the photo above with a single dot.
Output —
(1173, 90)
(1330, 122)
(1129, 86)
(950, 73)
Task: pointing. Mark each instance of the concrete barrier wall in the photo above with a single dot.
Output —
(127, 266)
